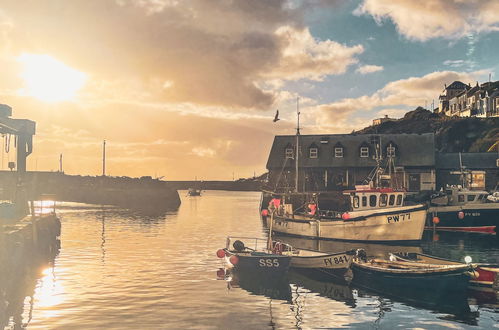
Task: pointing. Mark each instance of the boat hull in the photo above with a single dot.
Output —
(387, 281)
(486, 275)
(480, 218)
(398, 224)
(258, 262)
(336, 264)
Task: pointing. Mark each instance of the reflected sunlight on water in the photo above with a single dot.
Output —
(119, 269)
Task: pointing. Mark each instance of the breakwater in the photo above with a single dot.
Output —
(135, 193)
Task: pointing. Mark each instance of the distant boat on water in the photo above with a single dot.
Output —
(194, 192)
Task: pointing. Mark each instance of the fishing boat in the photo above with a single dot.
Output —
(459, 208)
(396, 276)
(371, 215)
(194, 192)
(254, 256)
(488, 274)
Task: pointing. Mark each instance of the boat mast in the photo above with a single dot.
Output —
(297, 141)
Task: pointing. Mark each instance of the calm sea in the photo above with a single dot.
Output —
(118, 269)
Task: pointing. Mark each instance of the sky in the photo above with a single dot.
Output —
(187, 89)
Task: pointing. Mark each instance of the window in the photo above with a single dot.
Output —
(471, 198)
(390, 151)
(372, 201)
(383, 199)
(364, 152)
(399, 199)
(356, 202)
(313, 152)
(338, 152)
(460, 198)
(391, 201)
(289, 153)
(364, 201)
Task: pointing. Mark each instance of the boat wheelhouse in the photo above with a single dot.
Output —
(462, 209)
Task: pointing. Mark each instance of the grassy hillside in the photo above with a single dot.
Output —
(452, 134)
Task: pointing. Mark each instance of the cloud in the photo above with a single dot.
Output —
(364, 69)
(424, 20)
(410, 92)
(304, 57)
(194, 51)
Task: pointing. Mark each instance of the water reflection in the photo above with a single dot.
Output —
(28, 282)
(332, 288)
(274, 287)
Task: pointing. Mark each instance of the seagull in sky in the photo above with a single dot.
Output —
(276, 118)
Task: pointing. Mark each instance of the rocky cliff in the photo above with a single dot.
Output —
(452, 134)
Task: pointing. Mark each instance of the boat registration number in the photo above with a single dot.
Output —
(335, 260)
(398, 217)
(268, 262)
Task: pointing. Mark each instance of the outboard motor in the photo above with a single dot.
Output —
(361, 255)
(238, 246)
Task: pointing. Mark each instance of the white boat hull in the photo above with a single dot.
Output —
(405, 223)
(321, 260)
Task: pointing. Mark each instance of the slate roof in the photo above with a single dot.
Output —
(457, 85)
(414, 150)
(471, 160)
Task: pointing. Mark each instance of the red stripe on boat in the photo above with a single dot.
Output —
(488, 230)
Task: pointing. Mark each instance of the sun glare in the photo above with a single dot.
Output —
(48, 79)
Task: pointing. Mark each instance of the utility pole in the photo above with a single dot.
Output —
(104, 158)
(60, 163)
(297, 142)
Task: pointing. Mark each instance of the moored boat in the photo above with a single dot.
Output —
(194, 192)
(371, 215)
(462, 209)
(394, 276)
(256, 258)
(487, 278)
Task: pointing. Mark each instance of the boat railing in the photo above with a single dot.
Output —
(257, 244)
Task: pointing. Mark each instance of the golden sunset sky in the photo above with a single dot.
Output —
(185, 89)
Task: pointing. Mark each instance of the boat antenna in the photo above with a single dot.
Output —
(297, 141)
(461, 168)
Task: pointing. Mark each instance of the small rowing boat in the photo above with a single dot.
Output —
(396, 276)
(488, 274)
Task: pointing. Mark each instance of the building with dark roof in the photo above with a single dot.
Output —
(341, 161)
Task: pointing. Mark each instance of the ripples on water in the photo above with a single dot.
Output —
(118, 269)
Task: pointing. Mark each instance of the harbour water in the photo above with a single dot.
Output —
(118, 269)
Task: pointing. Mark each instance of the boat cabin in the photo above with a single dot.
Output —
(459, 196)
(366, 198)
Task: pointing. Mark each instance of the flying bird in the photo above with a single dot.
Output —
(276, 118)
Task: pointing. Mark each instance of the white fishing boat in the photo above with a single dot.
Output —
(374, 215)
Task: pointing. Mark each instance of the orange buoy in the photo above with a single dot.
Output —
(460, 215)
(220, 253)
(234, 260)
(436, 220)
(345, 216)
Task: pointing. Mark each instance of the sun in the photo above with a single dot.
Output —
(48, 79)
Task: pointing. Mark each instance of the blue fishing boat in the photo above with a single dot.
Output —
(254, 255)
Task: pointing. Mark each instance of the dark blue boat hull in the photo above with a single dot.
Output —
(473, 220)
(398, 284)
(261, 263)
